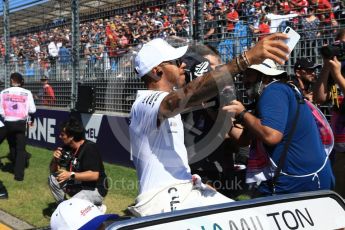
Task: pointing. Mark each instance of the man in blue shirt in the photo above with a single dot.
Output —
(64, 60)
(306, 166)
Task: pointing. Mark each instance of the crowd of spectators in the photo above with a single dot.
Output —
(104, 39)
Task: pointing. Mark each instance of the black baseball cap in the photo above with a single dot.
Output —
(306, 63)
(44, 77)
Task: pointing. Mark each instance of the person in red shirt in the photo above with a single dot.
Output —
(299, 6)
(232, 17)
(48, 95)
(166, 22)
(111, 41)
(303, 5)
(324, 7)
(264, 28)
(285, 6)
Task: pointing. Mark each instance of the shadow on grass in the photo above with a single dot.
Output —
(48, 211)
(7, 167)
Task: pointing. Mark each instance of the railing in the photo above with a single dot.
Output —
(114, 80)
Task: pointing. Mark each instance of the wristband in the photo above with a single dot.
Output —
(240, 116)
(245, 58)
(239, 66)
(72, 177)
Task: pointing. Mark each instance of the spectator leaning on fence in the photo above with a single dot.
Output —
(64, 60)
(232, 18)
(47, 95)
(53, 52)
(263, 29)
(310, 25)
(210, 29)
(156, 131)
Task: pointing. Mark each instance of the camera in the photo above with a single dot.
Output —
(337, 49)
(65, 158)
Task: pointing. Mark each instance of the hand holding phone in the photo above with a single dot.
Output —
(293, 38)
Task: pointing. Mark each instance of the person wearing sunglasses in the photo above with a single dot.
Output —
(305, 76)
(156, 130)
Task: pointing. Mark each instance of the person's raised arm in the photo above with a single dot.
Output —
(206, 87)
(209, 33)
(336, 74)
(320, 89)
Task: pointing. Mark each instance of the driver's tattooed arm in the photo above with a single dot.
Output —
(206, 87)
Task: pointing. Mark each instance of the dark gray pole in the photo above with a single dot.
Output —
(6, 11)
(75, 51)
(199, 20)
(191, 18)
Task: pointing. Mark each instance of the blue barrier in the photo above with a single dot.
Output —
(109, 132)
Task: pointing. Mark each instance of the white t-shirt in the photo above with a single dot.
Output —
(276, 20)
(37, 49)
(53, 50)
(158, 153)
(16, 103)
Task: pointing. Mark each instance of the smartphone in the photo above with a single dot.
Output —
(293, 38)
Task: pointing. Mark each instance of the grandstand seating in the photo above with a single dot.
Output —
(107, 43)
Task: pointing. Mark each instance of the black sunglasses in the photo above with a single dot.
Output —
(310, 71)
(176, 62)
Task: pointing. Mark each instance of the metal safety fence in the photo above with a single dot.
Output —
(114, 80)
(111, 73)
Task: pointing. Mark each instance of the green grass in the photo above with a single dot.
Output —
(30, 199)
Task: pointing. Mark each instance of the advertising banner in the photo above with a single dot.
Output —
(109, 132)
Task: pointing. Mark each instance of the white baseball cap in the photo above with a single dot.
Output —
(154, 53)
(76, 213)
(268, 67)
